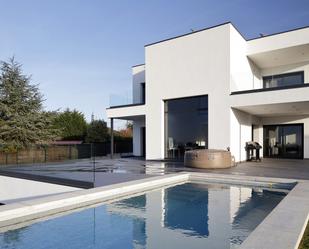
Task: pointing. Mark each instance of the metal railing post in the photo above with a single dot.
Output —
(112, 138)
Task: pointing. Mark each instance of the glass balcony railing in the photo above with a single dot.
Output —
(261, 83)
(283, 80)
(266, 82)
(120, 99)
(124, 100)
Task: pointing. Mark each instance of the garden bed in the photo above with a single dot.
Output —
(304, 244)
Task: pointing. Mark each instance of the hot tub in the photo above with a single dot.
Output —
(208, 159)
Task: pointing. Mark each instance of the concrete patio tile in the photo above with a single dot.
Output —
(278, 239)
(285, 220)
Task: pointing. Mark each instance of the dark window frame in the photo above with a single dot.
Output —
(202, 109)
(302, 156)
(282, 75)
(143, 92)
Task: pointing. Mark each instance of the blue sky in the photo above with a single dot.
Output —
(81, 51)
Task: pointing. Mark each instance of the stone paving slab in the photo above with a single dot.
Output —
(82, 170)
(79, 173)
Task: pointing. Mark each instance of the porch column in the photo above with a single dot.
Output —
(112, 137)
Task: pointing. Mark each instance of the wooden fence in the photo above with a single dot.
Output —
(56, 153)
(39, 155)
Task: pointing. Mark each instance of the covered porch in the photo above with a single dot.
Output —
(135, 113)
(139, 134)
(281, 128)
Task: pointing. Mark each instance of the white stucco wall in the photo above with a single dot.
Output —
(244, 74)
(270, 97)
(138, 77)
(303, 66)
(137, 139)
(126, 112)
(279, 41)
(241, 132)
(188, 66)
(15, 189)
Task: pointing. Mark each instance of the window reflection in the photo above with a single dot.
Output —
(186, 125)
(283, 141)
(282, 80)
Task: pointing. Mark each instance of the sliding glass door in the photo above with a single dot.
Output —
(283, 141)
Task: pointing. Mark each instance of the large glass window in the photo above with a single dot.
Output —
(186, 125)
(287, 79)
(283, 141)
(143, 93)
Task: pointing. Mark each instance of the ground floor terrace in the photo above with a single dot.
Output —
(277, 119)
(87, 173)
(281, 129)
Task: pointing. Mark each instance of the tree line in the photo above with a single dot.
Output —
(24, 122)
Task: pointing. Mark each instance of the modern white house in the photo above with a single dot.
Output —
(215, 89)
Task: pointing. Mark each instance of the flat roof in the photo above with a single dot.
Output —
(225, 23)
(186, 34)
(221, 24)
(138, 65)
(278, 33)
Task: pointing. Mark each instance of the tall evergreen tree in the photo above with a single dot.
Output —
(97, 132)
(22, 119)
(72, 125)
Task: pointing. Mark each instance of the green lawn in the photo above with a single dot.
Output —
(304, 244)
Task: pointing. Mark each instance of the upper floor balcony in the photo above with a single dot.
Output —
(272, 70)
(130, 105)
(125, 107)
(278, 78)
(273, 82)
(273, 101)
(275, 76)
(274, 62)
(280, 49)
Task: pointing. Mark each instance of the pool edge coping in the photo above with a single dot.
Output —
(24, 211)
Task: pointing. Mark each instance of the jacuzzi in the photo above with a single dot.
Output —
(208, 159)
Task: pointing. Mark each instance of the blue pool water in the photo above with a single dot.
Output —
(184, 216)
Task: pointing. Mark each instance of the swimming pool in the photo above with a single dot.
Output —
(190, 215)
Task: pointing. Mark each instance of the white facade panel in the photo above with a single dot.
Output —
(241, 132)
(126, 112)
(189, 66)
(303, 66)
(279, 41)
(244, 74)
(138, 75)
(270, 97)
(137, 137)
